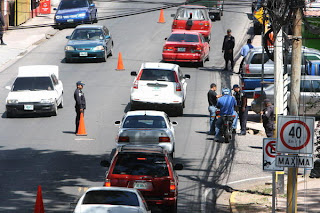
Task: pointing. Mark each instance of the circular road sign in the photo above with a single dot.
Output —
(271, 149)
(295, 134)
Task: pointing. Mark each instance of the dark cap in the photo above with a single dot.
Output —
(80, 83)
(266, 101)
(235, 86)
(228, 30)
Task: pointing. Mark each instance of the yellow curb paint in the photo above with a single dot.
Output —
(232, 202)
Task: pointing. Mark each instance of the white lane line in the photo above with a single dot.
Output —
(244, 180)
(84, 139)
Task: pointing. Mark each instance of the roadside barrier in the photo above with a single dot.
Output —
(120, 66)
(38, 207)
(81, 128)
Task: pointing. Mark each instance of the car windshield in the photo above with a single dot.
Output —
(87, 34)
(186, 13)
(70, 4)
(157, 75)
(109, 197)
(144, 121)
(183, 38)
(141, 164)
(32, 83)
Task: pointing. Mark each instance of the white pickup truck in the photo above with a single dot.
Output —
(37, 89)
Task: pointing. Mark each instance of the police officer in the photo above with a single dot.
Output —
(227, 48)
(268, 118)
(80, 105)
(242, 108)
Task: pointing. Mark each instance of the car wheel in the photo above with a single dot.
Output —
(201, 63)
(111, 51)
(95, 20)
(172, 155)
(104, 59)
(55, 110)
(61, 104)
(218, 17)
(209, 38)
(179, 110)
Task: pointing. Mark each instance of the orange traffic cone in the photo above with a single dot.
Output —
(161, 18)
(81, 128)
(120, 63)
(38, 207)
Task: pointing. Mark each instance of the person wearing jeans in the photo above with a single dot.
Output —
(212, 100)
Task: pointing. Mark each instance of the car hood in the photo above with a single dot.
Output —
(72, 11)
(108, 209)
(32, 96)
(84, 43)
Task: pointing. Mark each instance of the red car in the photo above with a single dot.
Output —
(186, 46)
(193, 17)
(148, 169)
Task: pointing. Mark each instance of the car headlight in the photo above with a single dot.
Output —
(98, 48)
(12, 101)
(81, 15)
(59, 17)
(46, 101)
(69, 48)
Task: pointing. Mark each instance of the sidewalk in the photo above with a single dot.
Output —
(21, 41)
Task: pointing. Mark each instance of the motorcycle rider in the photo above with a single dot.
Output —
(226, 104)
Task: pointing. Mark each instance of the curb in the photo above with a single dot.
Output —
(232, 202)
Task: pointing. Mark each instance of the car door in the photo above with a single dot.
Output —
(108, 41)
(58, 87)
(91, 9)
(205, 45)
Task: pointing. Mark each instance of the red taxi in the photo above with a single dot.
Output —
(186, 46)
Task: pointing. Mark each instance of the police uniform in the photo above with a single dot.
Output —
(227, 47)
(80, 103)
(268, 120)
(242, 110)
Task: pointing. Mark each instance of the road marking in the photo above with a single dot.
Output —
(244, 180)
(84, 139)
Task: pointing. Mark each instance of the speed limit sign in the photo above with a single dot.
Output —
(295, 134)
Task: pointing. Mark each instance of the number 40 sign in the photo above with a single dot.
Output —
(295, 134)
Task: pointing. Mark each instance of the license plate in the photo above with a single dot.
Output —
(156, 88)
(83, 54)
(28, 107)
(181, 49)
(140, 185)
(70, 20)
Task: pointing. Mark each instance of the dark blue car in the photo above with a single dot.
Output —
(89, 42)
(73, 12)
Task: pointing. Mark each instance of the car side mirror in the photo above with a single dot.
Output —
(174, 123)
(107, 37)
(92, 5)
(186, 76)
(165, 39)
(173, 15)
(8, 87)
(54, 8)
(104, 163)
(68, 37)
(133, 73)
(117, 123)
(178, 166)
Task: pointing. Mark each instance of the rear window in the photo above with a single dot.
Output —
(70, 4)
(157, 75)
(111, 198)
(32, 83)
(144, 121)
(141, 164)
(186, 13)
(257, 58)
(183, 38)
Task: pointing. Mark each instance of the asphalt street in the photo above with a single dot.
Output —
(44, 151)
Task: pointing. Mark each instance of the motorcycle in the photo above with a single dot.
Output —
(226, 128)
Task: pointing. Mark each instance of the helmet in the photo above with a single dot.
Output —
(226, 91)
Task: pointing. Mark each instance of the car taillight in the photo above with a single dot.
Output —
(256, 95)
(135, 84)
(168, 49)
(247, 68)
(206, 25)
(164, 139)
(123, 139)
(174, 24)
(197, 49)
(178, 87)
(172, 186)
(107, 183)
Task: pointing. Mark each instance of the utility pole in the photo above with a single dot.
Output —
(294, 101)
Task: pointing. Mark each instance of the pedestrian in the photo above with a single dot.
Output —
(80, 105)
(244, 52)
(227, 48)
(268, 118)
(212, 100)
(2, 25)
(242, 107)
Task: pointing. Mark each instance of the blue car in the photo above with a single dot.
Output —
(89, 42)
(73, 12)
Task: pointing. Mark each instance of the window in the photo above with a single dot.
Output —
(32, 83)
(202, 38)
(157, 75)
(109, 197)
(316, 85)
(70, 4)
(144, 121)
(305, 86)
(87, 34)
(312, 57)
(180, 74)
(183, 38)
(106, 31)
(257, 58)
(54, 79)
(194, 14)
(141, 164)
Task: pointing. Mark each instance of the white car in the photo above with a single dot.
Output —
(113, 200)
(37, 89)
(159, 85)
(147, 128)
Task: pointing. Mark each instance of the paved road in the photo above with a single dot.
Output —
(43, 151)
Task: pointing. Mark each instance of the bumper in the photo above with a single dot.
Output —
(167, 146)
(37, 108)
(90, 54)
(154, 105)
(163, 201)
(71, 21)
(182, 57)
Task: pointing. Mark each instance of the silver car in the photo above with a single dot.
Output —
(309, 96)
(146, 127)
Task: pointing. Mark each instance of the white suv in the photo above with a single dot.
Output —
(37, 89)
(159, 85)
